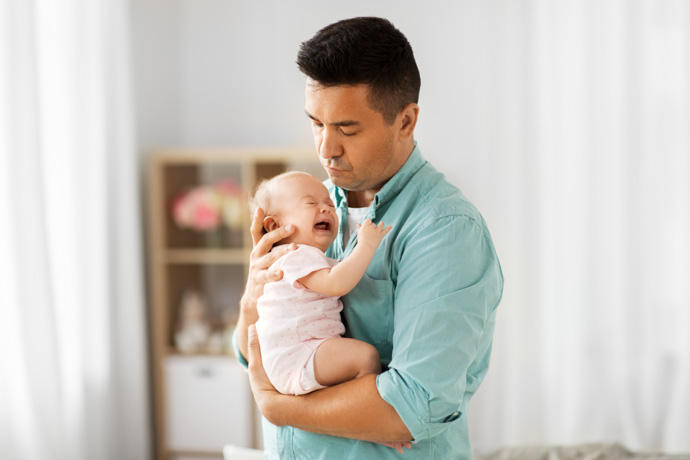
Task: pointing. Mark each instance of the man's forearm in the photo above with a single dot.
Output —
(248, 316)
(352, 410)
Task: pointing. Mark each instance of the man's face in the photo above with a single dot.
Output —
(358, 150)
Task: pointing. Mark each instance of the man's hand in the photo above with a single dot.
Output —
(263, 256)
(261, 259)
(397, 445)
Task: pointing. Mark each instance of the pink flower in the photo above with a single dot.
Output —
(207, 207)
(205, 217)
(229, 188)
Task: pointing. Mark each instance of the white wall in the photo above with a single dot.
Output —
(222, 72)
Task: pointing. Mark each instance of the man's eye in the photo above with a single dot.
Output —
(347, 134)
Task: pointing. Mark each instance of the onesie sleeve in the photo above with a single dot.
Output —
(302, 261)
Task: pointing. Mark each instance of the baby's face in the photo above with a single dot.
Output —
(303, 201)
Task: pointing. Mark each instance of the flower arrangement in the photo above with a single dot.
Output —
(208, 207)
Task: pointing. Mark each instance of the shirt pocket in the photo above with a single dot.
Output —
(369, 312)
(451, 422)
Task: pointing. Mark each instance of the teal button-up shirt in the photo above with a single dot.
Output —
(427, 303)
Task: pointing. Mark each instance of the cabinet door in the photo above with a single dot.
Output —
(208, 403)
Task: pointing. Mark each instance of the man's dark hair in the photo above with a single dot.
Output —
(365, 50)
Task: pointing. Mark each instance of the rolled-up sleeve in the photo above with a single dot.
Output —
(449, 284)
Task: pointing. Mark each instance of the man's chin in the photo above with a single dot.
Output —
(339, 181)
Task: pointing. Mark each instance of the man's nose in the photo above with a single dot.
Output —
(330, 146)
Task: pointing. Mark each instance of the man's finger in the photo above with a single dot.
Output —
(261, 267)
(253, 345)
(257, 227)
(279, 252)
(266, 242)
(268, 276)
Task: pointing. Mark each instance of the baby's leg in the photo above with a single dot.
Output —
(339, 359)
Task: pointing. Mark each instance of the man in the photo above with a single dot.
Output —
(428, 299)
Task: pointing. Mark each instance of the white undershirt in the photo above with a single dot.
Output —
(354, 216)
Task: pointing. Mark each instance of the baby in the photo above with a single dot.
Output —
(299, 325)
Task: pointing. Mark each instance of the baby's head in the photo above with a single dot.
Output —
(301, 200)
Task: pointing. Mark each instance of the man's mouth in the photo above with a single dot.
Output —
(334, 167)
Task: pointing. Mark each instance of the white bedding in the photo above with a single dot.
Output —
(579, 452)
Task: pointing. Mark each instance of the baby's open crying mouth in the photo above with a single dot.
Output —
(323, 226)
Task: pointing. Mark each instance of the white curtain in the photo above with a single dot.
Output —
(72, 345)
(589, 173)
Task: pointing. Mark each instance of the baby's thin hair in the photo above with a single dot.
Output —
(261, 198)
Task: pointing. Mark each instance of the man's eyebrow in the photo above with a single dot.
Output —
(337, 123)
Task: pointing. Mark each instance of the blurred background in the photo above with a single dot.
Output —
(566, 122)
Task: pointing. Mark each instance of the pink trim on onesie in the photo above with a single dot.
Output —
(294, 321)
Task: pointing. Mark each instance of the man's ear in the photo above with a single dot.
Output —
(270, 223)
(408, 120)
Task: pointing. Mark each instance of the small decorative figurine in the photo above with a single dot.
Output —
(194, 328)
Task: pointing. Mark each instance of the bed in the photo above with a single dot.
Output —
(578, 452)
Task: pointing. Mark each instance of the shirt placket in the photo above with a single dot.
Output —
(337, 250)
(371, 214)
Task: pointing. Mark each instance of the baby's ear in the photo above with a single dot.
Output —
(270, 223)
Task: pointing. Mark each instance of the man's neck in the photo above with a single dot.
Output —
(364, 198)
(361, 199)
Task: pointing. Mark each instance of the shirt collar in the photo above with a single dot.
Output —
(400, 179)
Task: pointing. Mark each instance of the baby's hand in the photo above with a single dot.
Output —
(371, 235)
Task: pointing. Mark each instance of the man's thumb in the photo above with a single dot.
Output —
(252, 342)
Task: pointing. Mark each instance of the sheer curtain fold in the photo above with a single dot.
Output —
(592, 344)
(73, 380)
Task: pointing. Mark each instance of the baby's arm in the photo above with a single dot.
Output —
(340, 280)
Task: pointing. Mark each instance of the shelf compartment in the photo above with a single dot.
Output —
(180, 178)
(221, 286)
